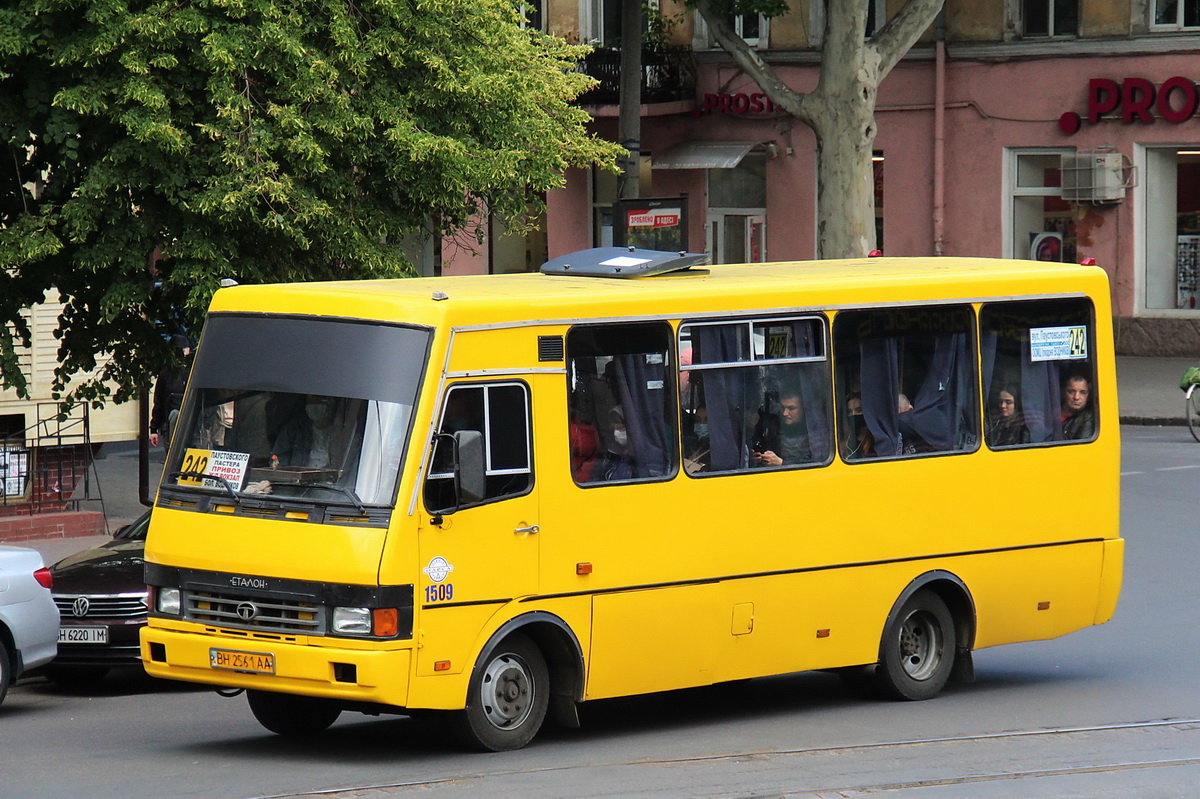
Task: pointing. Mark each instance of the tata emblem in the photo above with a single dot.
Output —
(80, 607)
(247, 611)
(438, 569)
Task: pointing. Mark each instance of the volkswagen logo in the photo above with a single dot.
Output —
(247, 611)
(80, 607)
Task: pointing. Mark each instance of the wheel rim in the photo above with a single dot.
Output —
(920, 645)
(1193, 413)
(507, 692)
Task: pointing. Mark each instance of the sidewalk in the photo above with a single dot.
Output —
(1148, 394)
(1149, 389)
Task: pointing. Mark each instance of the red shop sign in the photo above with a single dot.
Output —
(1137, 100)
(755, 103)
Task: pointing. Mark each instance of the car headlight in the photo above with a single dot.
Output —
(168, 601)
(352, 621)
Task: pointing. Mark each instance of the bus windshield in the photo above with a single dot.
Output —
(297, 407)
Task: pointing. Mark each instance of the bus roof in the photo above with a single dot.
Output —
(497, 299)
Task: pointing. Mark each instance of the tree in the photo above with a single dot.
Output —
(840, 110)
(157, 146)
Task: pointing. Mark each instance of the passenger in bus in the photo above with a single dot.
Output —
(316, 440)
(695, 443)
(584, 439)
(617, 462)
(791, 445)
(1006, 423)
(1078, 415)
(859, 443)
(215, 422)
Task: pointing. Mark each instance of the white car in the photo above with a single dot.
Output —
(28, 615)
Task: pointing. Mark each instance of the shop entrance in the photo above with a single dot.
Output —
(735, 237)
(1172, 276)
(737, 214)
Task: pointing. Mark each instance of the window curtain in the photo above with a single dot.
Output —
(642, 385)
(1041, 397)
(879, 381)
(814, 393)
(942, 401)
(723, 397)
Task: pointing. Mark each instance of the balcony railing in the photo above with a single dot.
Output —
(667, 75)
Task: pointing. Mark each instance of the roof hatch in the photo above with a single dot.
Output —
(622, 262)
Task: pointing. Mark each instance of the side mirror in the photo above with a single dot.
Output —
(470, 478)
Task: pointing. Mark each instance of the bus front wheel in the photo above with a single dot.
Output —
(917, 652)
(292, 716)
(507, 697)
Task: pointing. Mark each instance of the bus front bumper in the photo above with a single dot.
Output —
(378, 676)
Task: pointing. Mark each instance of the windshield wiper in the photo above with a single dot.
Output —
(201, 475)
(350, 495)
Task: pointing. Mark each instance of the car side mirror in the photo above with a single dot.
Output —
(470, 478)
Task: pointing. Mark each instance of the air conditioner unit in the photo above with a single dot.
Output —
(1094, 177)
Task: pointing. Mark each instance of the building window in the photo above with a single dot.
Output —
(1172, 255)
(1176, 14)
(877, 174)
(1050, 17)
(534, 15)
(876, 16)
(1042, 223)
(752, 28)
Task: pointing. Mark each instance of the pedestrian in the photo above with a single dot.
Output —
(168, 395)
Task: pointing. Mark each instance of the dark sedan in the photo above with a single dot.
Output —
(101, 598)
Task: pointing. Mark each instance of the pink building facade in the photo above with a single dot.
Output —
(1050, 150)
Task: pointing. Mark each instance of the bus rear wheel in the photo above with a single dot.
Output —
(916, 655)
(292, 716)
(507, 697)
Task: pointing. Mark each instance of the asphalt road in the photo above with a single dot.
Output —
(1112, 711)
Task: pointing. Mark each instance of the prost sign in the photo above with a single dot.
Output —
(1136, 99)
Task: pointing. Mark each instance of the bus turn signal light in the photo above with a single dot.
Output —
(385, 622)
(441, 665)
(583, 568)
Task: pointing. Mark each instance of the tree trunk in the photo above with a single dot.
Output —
(845, 182)
(840, 111)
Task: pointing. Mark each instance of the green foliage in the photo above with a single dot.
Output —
(170, 143)
(768, 8)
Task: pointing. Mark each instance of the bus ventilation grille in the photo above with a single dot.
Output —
(550, 348)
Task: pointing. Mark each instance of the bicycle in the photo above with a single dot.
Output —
(1190, 383)
(1192, 398)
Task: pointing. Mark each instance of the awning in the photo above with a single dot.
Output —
(704, 155)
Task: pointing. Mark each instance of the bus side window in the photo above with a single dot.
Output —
(759, 391)
(500, 412)
(1039, 372)
(906, 382)
(620, 382)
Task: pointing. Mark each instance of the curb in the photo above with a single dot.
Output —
(1154, 421)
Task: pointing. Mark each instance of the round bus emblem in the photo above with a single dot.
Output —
(246, 611)
(438, 569)
(80, 607)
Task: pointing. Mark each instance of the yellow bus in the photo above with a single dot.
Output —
(502, 496)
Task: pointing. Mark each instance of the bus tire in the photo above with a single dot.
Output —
(292, 716)
(507, 697)
(916, 654)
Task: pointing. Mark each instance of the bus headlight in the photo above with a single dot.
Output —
(168, 601)
(352, 621)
